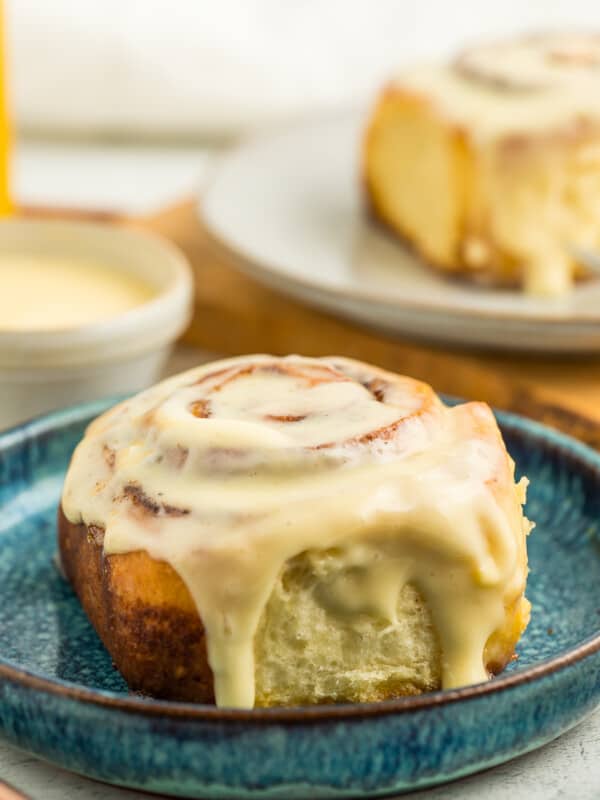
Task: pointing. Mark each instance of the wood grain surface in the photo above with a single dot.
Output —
(235, 314)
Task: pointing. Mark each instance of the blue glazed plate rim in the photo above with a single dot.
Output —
(9, 671)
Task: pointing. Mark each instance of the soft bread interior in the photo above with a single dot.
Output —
(307, 653)
(415, 173)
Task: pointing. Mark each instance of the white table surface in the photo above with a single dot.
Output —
(140, 181)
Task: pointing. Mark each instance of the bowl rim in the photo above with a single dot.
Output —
(160, 318)
(66, 690)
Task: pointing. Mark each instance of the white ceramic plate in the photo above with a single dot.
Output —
(288, 206)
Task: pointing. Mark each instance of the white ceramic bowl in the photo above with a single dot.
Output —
(43, 370)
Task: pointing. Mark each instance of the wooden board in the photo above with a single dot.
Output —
(235, 314)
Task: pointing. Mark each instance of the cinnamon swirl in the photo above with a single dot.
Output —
(280, 531)
(489, 166)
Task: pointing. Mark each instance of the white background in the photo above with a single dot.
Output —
(212, 67)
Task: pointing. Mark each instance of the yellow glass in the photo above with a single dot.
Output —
(5, 202)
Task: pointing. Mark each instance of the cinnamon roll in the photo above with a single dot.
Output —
(489, 166)
(278, 531)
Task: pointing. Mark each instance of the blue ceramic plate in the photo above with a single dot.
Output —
(61, 699)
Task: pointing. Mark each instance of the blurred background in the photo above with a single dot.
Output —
(119, 104)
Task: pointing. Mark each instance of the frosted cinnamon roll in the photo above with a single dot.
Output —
(489, 165)
(277, 531)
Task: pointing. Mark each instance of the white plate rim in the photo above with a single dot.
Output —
(278, 275)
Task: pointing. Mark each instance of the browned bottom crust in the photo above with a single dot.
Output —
(143, 613)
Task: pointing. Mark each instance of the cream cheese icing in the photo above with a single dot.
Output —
(231, 469)
(49, 293)
(535, 84)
